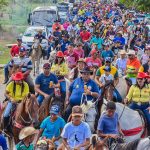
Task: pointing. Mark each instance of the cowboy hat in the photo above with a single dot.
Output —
(86, 70)
(81, 60)
(18, 76)
(131, 52)
(122, 52)
(25, 132)
(60, 54)
(141, 75)
(77, 111)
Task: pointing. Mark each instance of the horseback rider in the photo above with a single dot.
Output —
(45, 83)
(56, 24)
(113, 72)
(52, 126)
(25, 66)
(139, 96)
(13, 52)
(75, 72)
(39, 35)
(60, 69)
(80, 86)
(108, 124)
(76, 134)
(26, 136)
(15, 92)
(133, 65)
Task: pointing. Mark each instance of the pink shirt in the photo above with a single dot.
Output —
(79, 52)
(91, 62)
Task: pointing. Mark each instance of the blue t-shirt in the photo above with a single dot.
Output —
(106, 54)
(44, 82)
(121, 39)
(3, 143)
(77, 89)
(52, 129)
(108, 125)
(76, 135)
(64, 45)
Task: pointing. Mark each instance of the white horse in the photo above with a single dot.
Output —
(131, 122)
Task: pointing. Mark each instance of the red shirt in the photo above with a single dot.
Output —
(14, 50)
(85, 35)
(71, 59)
(93, 62)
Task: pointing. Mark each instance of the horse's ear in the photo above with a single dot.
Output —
(29, 95)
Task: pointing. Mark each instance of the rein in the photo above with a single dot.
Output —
(122, 112)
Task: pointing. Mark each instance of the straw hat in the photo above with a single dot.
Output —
(25, 132)
(131, 52)
(122, 52)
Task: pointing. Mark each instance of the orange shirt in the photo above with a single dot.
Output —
(55, 26)
(133, 65)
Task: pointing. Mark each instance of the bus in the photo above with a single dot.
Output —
(43, 16)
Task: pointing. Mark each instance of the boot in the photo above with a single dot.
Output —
(6, 123)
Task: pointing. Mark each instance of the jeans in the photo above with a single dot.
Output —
(63, 87)
(8, 109)
(3, 142)
(143, 108)
(40, 99)
(116, 94)
(6, 72)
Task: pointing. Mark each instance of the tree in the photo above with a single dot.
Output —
(3, 3)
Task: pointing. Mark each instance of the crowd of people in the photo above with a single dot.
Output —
(95, 46)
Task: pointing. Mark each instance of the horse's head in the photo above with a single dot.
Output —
(31, 108)
(36, 43)
(108, 91)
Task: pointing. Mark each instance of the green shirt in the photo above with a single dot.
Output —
(21, 146)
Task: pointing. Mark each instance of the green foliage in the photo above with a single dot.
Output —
(3, 3)
(143, 5)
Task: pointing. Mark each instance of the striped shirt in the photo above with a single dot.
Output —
(25, 63)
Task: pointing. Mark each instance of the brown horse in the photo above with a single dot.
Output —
(25, 115)
(46, 105)
(98, 145)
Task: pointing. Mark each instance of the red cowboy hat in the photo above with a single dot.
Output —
(60, 54)
(18, 76)
(141, 75)
(147, 76)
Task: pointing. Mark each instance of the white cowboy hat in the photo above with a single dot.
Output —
(131, 52)
(25, 132)
(122, 52)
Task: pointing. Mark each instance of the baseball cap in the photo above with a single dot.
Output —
(54, 109)
(22, 49)
(47, 65)
(107, 68)
(77, 111)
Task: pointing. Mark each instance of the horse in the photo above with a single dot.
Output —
(132, 128)
(46, 144)
(137, 144)
(36, 55)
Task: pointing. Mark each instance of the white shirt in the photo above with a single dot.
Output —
(105, 78)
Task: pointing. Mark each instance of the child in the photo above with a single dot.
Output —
(145, 57)
(106, 77)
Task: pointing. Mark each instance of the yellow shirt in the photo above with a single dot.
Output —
(62, 69)
(141, 69)
(17, 96)
(139, 95)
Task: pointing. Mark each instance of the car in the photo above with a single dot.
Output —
(140, 17)
(28, 36)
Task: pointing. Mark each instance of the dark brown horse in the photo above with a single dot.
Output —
(24, 115)
(46, 105)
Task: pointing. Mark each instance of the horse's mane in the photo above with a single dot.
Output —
(129, 146)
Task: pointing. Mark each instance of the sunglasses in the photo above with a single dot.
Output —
(108, 62)
(129, 55)
(86, 73)
(59, 57)
(140, 78)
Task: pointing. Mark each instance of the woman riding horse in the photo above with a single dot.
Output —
(15, 92)
(60, 69)
(139, 96)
